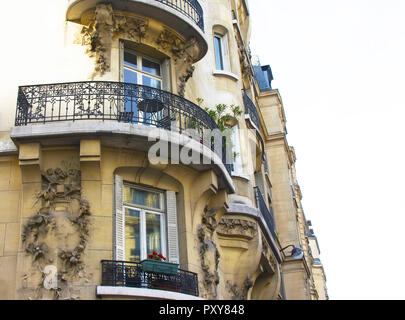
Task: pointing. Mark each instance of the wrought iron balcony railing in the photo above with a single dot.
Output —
(190, 8)
(250, 109)
(122, 102)
(268, 215)
(130, 274)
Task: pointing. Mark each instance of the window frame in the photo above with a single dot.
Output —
(143, 210)
(219, 54)
(221, 33)
(139, 72)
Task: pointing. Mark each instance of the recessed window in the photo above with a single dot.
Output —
(221, 50)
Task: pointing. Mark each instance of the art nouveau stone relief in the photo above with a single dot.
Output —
(56, 236)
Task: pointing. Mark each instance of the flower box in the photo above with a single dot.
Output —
(159, 266)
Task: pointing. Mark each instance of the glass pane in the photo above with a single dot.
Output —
(151, 82)
(130, 60)
(153, 235)
(132, 235)
(130, 113)
(142, 198)
(151, 67)
(130, 76)
(218, 53)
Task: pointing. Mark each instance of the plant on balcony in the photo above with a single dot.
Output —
(224, 115)
(156, 256)
(158, 263)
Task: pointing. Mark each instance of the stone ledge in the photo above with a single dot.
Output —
(227, 74)
(118, 134)
(143, 293)
(7, 148)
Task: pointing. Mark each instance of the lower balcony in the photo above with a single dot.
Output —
(120, 278)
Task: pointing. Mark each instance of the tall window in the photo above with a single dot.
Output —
(142, 70)
(219, 52)
(145, 218)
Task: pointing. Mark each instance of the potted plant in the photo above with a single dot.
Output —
(231, 120)
(158, 263)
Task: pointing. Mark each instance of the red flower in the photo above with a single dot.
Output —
(154, 253)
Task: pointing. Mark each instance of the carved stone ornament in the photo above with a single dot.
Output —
(244, 58)
(209, 254)
(240, 293)
(268, 255)
(183, 52)
(237, 228)
(105, 25)
(62, 220)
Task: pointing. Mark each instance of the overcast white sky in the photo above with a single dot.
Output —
(340, 66)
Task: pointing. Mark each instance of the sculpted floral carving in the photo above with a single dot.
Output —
(237, 228)
(267, 254)
(240, 293)
(209, 253)
(104, 26)
(64, 217)
(183, 53)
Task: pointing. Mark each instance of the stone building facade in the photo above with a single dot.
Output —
(82, 202)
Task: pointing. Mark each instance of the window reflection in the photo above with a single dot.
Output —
(142, 198)
(153, 235)
(132, 235)
(151, 67)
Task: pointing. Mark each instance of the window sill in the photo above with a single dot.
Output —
(227, 74)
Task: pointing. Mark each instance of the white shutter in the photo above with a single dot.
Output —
(172, 229)
(119, 230)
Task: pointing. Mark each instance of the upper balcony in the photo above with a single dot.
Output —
(184, 16)
(124, 115)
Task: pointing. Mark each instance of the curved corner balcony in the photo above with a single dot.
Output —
(184, 16)
(118, 109)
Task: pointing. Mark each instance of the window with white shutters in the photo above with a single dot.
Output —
(145, 222)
